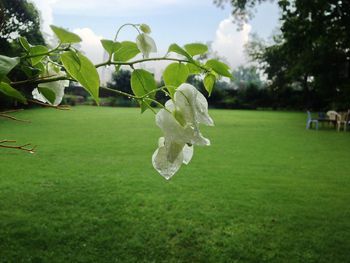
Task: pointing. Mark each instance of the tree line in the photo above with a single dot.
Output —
(305, 66)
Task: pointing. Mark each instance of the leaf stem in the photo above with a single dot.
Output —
(40, 80)
(42, 54)
(120, 92)
(127, 24)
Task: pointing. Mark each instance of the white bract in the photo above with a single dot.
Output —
(179, 122)
(146, 44)
(55, 88)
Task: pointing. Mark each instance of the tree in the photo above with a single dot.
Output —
(312, 52)
(317, 45)
(243, 76)
(121, 81)
(18, 18)
(242, 9)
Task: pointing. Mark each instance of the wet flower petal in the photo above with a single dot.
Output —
(172, 129)
(163, 165)
(187, 153)
(57, 87)
(193, 105)
(146, 44)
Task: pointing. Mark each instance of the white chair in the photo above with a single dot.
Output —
(310, 121)
(347, 121)
(333, 117)
(343, 120)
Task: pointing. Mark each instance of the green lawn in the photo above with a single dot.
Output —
(267, 190)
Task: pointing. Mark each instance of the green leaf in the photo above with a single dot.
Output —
(196, 49)
(36, 51)
(110, 46)
(219, 67)
(7, 64)
(40, 66)
(84, 72)
(29, 71)
(193, 69)
(179, 50)
(175, 74)
(24, 43)
(76, 58)
(48, 94)
(143, 82)
(126, 51)
(209, 81)
(65, 36)
(11, 92)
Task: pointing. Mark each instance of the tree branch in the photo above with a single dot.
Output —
(133, 96)
(4, 114)
(25, 147)
(40, 80)
(107, 63)
(58, 107)
(131, 63)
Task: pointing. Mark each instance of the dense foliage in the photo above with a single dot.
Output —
(18, 18)
(311, 55)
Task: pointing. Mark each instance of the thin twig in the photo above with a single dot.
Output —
(107, 63)
(121, 93)
(159, 104)
(42, 54)
(40, 80)
(58, 107)
(11, 111)
(156, 102)
(3, 115)
(25, 147)
(131, 63)
(127, 24)
(136, 97)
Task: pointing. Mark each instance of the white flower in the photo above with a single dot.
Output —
(51, 92)
(193, 105)
(168, 158)
(146, 44)
(180, 125)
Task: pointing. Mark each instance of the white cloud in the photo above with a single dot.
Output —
(112, 7)
(229, 43)
(46, 14)
(90, 44)
(92, 48)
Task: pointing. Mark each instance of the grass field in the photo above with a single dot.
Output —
(267, 190)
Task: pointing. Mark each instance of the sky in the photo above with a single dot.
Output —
(172, 21)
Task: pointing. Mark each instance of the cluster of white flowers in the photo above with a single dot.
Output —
(179, 122)
(56, 87)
